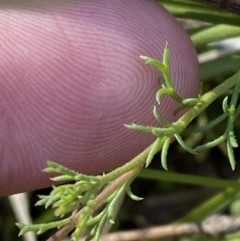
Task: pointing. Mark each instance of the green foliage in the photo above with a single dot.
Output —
(169, 130)
(84, 190)
(81, 194)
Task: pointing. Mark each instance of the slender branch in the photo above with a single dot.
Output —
(206, 99)
(110, 189)
(228, 5)
(216, 225)
(203, 102)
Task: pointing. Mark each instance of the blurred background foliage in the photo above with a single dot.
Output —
(178, 195)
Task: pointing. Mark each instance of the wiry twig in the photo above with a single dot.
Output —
(216, 225)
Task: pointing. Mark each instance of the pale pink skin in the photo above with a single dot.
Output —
(71, 76)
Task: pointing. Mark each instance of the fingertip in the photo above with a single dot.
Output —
(68, 90)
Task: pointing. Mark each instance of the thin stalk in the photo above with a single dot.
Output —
(203, 102)
(188, 179)
(194, 10)
(211, 206)
(215, 33)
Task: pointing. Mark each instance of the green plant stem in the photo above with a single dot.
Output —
(136, 163)
(206, 99)
(193, 10)
(211, 206)
(203, 102)
(122, 174)
(214, 33)
(189, 179)
(41, 228)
